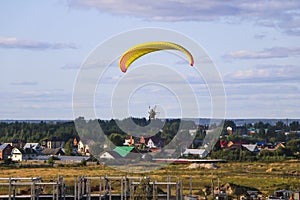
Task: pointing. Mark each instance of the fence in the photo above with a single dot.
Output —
(102, 187)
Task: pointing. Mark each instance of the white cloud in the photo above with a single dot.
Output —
(275, 52)
(266, 73)
(25, 83)
(14, 43)
(275, 13)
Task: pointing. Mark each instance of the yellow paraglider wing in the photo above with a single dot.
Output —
(139, 50)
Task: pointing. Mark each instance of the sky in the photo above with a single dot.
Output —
(254, 45)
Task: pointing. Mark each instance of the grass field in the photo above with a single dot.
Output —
(265, 177)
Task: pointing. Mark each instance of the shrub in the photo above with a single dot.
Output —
(51, 161)
(83, 162)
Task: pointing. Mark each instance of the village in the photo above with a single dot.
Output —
(134, 147)
(235, 144)
(18, 150)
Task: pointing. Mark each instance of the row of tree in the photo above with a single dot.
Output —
(36, 132)
(80, 128)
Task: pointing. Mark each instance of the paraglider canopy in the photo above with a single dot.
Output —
(139, 50)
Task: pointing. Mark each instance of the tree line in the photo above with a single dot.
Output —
(67, 131)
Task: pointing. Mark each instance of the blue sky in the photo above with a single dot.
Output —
(254, 45)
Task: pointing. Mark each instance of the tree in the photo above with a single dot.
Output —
(281, 126)
(228, 123)
(51, 161)
(293, 146)
(83, 162)
(294, 126)
(69, 148)
(259, 125)
(117, 139)
(282, 152)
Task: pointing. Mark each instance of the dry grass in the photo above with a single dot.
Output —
(252, 175)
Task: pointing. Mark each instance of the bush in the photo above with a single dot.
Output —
(8, 161)
(83, 162)
(51, 161)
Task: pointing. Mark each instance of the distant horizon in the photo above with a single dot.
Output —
(203, 118)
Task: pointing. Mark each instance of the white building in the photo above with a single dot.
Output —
(201, 153)
(83, 149)
(19, 154)
(151, 144)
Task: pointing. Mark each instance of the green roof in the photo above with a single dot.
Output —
(123, 150)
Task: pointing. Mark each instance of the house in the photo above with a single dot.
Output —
(154, 142)
(53, 152)
(233, 145)
(19, 154)
(283, 194)
(280, 145)
(252, 194)
(53, 143)
(140, 143)
(250, 147)
(35, 146)
(123, 150)
(200, 153)
(83, 149)
(110, 155)
(128, 152)
(151, 144)
(129, 141)
(5, 151)
(296, 195)
(264, 145)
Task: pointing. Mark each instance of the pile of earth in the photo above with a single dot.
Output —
(203, 166)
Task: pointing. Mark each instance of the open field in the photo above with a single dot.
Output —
(265, 177)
